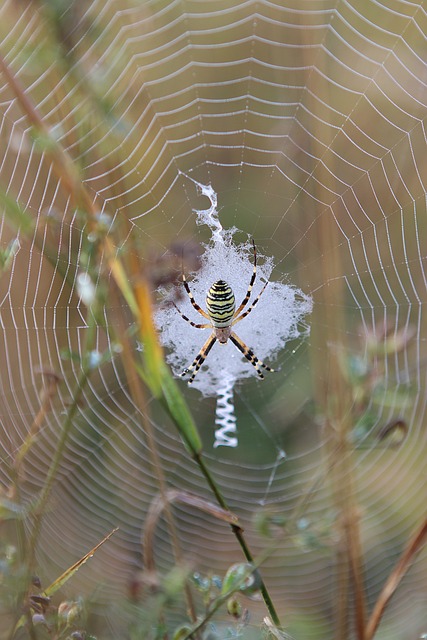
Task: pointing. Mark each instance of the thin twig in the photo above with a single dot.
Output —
(413, 547)
(41, 503)
(46, 399)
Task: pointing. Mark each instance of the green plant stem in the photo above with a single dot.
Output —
(174, 404)
(215, 607)
(40, 505)
(182, 419)
(239, 536)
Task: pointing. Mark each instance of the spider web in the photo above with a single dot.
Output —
(308, 123)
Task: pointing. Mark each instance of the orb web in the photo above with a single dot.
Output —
(308, 122)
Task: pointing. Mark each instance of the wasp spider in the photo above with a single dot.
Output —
(222, 316)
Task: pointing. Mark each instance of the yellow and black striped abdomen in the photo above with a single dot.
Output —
(221, 304)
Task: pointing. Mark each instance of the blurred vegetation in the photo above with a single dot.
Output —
(112, 263)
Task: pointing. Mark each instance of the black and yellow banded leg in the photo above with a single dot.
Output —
(251, 284)
(192, 300)
(193, 324)
(249, 355)
(200, 358)
(236, 319)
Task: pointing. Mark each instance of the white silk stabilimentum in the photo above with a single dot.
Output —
(274, 321)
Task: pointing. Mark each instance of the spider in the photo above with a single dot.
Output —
(222, 316)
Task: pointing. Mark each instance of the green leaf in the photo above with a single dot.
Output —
(242, 577)
(59, 582)
(18, 219)
(179, 411)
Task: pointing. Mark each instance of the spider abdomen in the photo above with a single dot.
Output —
(221, 306)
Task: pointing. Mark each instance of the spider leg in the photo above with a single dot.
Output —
(200, 358)
(249, 355)
(251, 284)
(236, 319)
(193, 324)
(192, 300)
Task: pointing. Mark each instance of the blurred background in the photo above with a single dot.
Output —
(308, 121)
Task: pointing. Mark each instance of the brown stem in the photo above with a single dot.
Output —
(63, 165)
(413, 547)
